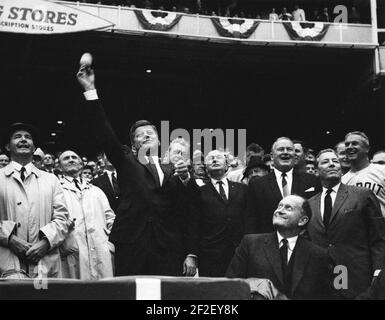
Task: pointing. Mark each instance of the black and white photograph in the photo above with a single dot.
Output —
(214, 152)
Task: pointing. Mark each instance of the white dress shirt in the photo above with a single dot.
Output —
(291, 242)
(158, 168)
(289, 179)
(225, 185)
(109, 174)
(28, 168)
(333, 195)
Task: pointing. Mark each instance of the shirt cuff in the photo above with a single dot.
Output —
(91, 95)
(376, 272)
(192, 256)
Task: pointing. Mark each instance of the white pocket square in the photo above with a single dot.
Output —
(310, 189)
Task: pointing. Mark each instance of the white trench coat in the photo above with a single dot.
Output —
(86, 253)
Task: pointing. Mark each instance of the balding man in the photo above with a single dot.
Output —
(265, 193)
(283, 261)
(86, 253)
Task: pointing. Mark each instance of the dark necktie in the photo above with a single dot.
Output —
(115, 184)
(22, 173)
(153, 170)
(77, 184)
(328, 206)
(222, 192)
(283, 251)
(285, 187)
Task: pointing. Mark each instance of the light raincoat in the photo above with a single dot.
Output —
(29, 210)
(87, 254)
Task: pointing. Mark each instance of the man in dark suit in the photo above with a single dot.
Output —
(108, 182)
(153, 212)
(265, 193)
(222, 221)
(291, 264)
(347, 221)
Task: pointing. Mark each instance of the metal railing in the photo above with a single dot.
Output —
(200, 27)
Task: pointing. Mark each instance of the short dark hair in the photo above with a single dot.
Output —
(254, 147)
(302, 143)
(324, 151)
(136, 125)
(88, 167)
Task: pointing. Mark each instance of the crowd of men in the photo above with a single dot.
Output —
(237, 9)
(285, 221)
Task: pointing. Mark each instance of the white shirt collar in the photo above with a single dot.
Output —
(214, 181)
(28, 168)
(290, 241)
(335, 188)
(278, 173)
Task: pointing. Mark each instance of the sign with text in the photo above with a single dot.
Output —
(45, 17)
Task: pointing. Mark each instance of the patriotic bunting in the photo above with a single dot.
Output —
(157, 20)
(235, 28)
(306, 31)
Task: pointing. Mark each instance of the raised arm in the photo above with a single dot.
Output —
(100, 124)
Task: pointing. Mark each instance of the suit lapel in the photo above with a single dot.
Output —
(150, 171)
(214, 190)
(232, 190)
(272, 253)
(316, 209)
(342, 194)
(107, 183)
(295, 186)
(301, 257)
(167, 171)
(274, 186)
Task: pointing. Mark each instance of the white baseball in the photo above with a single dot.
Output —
(86, 59)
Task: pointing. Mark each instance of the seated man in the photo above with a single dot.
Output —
(295, 267)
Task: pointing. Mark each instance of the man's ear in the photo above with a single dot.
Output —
(303, 221)
(7, 147)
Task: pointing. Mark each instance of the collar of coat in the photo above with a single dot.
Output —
(8, 170)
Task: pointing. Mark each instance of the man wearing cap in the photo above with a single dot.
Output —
(37, 159)
(33, 213)
(256, 168)
(153, 211)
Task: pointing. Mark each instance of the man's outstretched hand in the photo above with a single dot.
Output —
(86, 77)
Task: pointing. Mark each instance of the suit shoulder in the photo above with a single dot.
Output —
(239, 185)
(256, 237)
(262, 180)
(47, 175)
(359, 191)
(315, 249)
